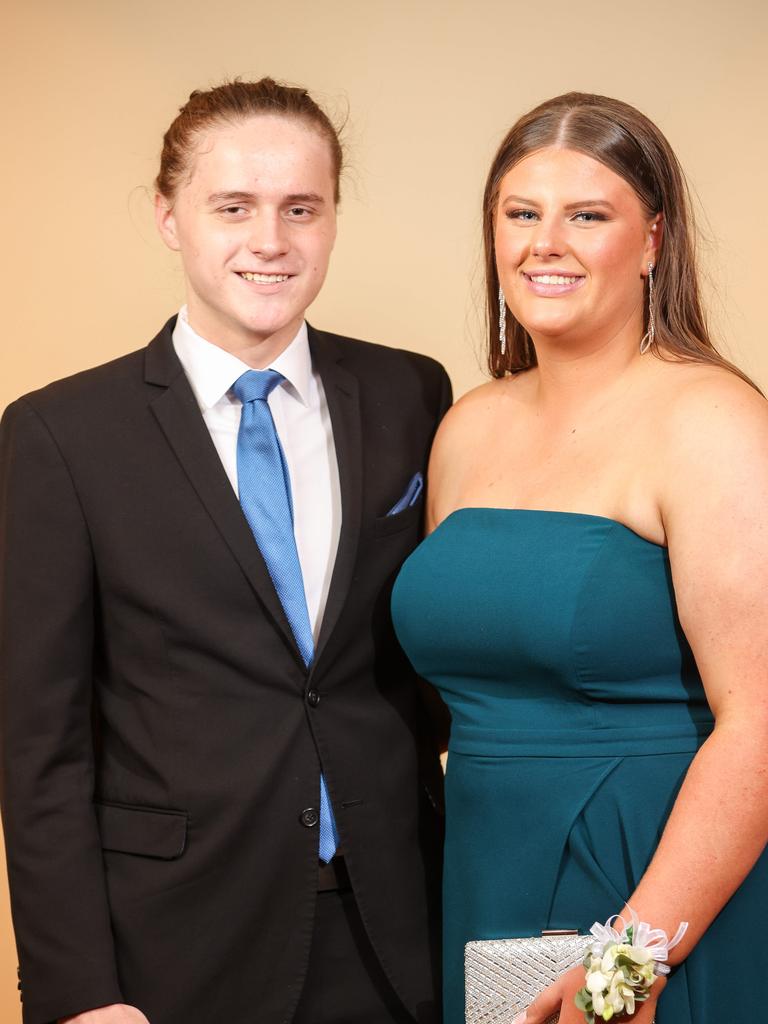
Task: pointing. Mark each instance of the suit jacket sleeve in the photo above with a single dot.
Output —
(438, 718)
(55, 866)
(446, 395)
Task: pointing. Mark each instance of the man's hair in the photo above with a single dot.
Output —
(233, 102)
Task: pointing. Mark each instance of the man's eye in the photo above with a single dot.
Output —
(234, 210)
(299, 211)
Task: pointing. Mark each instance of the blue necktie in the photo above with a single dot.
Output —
(265, 497)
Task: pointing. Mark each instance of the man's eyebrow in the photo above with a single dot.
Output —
(231, 197)
(305, 197)
(250, 197)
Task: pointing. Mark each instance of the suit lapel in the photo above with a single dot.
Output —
(178, 415)
(341, 392)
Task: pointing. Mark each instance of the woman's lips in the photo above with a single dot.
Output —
(552, 285)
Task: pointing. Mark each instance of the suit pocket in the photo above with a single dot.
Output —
(399, 521)
(147, 832)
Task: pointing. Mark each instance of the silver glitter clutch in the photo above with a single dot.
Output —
(503, 976)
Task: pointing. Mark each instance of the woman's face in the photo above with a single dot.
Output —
(573, 243)
(255, 223)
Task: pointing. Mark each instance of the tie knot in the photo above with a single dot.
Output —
(256, 385)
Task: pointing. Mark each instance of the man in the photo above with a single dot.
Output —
(220, 798)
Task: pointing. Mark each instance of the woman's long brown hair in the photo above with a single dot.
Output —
(627, 142)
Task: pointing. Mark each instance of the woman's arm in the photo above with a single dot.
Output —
(714, 503)
(463, 432)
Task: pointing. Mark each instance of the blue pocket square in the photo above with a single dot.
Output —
(411, 496)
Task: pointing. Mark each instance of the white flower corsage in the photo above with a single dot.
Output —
(622, 965)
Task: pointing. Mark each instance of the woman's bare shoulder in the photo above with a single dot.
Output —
(463, 433)
(704, 403)
(711, 446)
(473, 409)
(479, 397)
(461, 423)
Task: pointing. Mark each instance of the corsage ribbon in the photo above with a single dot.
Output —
(653, 939)
(621, 966)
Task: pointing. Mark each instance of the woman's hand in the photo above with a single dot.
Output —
(115, 1013)
(560, 997)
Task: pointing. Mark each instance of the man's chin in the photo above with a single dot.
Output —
(264, 330)
(273, 333)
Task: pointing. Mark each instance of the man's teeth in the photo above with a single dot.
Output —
(553, 279)
(266, 278)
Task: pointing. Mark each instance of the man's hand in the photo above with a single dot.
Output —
(115, 1013)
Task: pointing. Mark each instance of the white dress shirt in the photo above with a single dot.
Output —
(303, 424)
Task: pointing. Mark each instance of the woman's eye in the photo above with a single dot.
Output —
(588, 216)
(522, 215)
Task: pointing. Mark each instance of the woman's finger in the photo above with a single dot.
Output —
(543, 1006)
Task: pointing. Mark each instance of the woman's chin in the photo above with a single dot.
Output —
(552, 331)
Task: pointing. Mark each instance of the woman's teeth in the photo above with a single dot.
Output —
(553, 279)
(266, 278)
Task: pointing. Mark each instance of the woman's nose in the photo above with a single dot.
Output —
(548, 239)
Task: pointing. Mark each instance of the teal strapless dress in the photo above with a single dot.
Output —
(576, 710)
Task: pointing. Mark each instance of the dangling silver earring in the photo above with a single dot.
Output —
(502, 321)
(650, 336)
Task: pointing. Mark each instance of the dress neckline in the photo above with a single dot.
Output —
(552, 512)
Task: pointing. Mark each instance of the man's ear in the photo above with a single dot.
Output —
(653, 242)
(166, 222)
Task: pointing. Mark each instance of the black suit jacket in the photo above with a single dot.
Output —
(159, 749)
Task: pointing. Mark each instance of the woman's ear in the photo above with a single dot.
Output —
(653, 242)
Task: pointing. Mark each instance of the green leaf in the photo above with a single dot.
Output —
(583, 1000)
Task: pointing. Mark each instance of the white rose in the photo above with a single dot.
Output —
(597, 982)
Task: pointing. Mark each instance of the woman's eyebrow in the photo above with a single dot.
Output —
(569, 206)
(590, 202)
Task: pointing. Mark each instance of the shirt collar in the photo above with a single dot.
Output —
(212, 371)
(295, 364)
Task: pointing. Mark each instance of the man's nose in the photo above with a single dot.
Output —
(268, 236)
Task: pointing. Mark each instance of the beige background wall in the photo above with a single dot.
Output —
(89, 86)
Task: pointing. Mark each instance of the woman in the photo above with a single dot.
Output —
(591, 603)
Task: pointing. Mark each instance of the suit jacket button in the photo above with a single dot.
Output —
(309, 817)
(313, 698)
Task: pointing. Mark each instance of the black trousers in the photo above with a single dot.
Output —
(345, 983)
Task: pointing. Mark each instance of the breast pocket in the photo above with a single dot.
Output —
(384, 525)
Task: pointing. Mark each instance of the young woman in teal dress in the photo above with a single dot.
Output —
(591, 602)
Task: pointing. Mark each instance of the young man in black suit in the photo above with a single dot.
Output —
(220, 796)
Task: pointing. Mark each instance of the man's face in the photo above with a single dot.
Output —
(255, 223)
